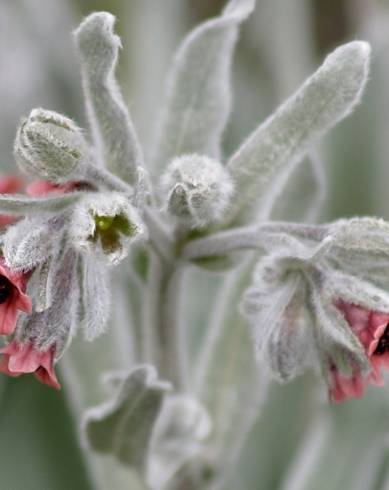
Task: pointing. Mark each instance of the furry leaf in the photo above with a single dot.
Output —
(324, 99)
(198, 94)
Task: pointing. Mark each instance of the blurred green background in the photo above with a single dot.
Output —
(291, 446)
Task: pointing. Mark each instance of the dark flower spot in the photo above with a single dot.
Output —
(5, 289)
(383, 344)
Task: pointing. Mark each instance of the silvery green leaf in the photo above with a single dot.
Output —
(31, 241)
(275, 311)
(325, 98)
(301, 196)
(198, 94)
(353, 289)
(123, 426)
(96, 297)
(179, 437)
(369, 266)
(361, 234)
(24, 205)
(41, 285)
(332, 332)
(56, 325)
(112, 128)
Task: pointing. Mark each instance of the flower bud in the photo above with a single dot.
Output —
(198, 190)
(49, 145)
(105, 224)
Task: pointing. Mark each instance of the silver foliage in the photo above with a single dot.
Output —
(112, 128)
(124, 425)
(198, 96)
(325, 98)
(95, 297)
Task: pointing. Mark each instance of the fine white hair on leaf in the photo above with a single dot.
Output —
(325, 98)
(95, 297)
(31, 241)
(113, 131)
(198, 96)
(134, 410)
(55, 326)
(179, 436)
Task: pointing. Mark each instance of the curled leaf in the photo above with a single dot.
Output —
(123, 426)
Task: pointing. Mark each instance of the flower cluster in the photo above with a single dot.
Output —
(46, 252)
(320, 301)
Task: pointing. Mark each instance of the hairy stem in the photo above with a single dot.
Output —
(250, 238)
(165, 332)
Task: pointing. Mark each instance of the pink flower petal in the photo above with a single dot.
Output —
(8, 316)
(43, 187)
(20, 359)
(5, 219)
(10, 184)
(48, 378)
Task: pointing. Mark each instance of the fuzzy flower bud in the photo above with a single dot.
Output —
(49, 145)
(198, 190)
(104, 225)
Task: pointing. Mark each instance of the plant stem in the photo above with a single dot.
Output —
(250, 238)
(167, 344)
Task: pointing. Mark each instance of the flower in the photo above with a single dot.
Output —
(328, 304)
(12, 297)
(9, 184)
(22, 358)
(372, 329)
(104, 225)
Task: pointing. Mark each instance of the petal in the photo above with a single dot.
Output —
(344, 387)
(23, 303)
(26, 360)
(8, 316)
(10, 184)
(4, 367)
(5, 219)
(48, 378)
(378, 333)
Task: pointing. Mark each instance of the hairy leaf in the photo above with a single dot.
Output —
(198, 94)
(96, 297)
(179, 435)
(31, 241)
(113, 130)
(123, 426)
(325, 98)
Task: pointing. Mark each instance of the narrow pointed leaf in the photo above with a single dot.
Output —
(198, 94)
(325, 98)
(112, 128)
(95, 297)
